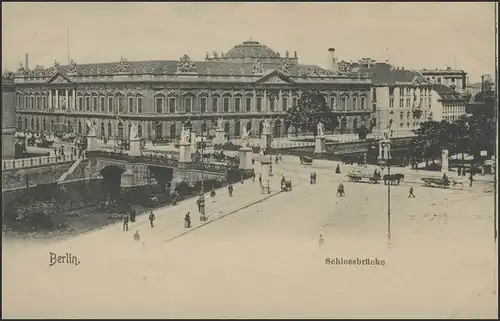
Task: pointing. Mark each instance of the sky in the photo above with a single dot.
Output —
(411, 35)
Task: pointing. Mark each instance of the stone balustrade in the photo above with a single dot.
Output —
(36, 161)
(160, 159)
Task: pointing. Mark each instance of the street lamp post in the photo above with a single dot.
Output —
(203, 216)
(385, 155)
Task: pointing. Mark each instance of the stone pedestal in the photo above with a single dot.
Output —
(265, 187)
(92, 144)
(320, 145)
(184, 152)
(220, 138)
(127, 179)
(246, 154)
(265, 141)
(444, 161)
(135, 147)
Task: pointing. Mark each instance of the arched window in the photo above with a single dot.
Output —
(44, 124)
(70, 128)
(19, 124)
(120, 130)
(261, 127)
(139, 130)
(408, 115)
(203, 126)
(110, 130)
(128, 131)
(103, 133)
(401, 115)
(25, 123)
(355, 123)
(32, 124)
(226, 127)
(79, 128)
(237, 128)
(37, 125)
(277, 128)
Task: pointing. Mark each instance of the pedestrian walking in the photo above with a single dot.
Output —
(281, 158)
(151, 218)
(212, 195)
(276, 159)
(137, 237)
(187, 220)
(230, 189)
(321, 241)
(125, 223)
(314, 177)
(337, 170)
(459, 171)
(253, 176)
(340, 190)
(411, 192)
(260, 179)
(470, 179)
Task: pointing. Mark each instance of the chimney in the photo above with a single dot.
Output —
(26, 61)
(333, 61)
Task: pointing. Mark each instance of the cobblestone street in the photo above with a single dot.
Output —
(265, 257)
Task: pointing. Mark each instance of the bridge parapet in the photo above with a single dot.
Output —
(10, 164)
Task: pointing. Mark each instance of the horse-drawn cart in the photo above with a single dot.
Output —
(358, 176)
(433, 181)
(306, 160)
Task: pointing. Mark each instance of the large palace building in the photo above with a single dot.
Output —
(243, 86)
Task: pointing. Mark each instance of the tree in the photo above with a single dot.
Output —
(311, 108)
(430, 139)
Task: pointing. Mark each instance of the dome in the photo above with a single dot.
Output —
(250, 49)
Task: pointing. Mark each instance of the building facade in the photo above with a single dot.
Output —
(8, 118)
(401, 99)
(455, 79)
(243, 86)
(447, 104)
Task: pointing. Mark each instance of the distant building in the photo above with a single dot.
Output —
(455, 79)
(8, 117)
(475, 88)
(447, 104)
(400, 98)
(243, 85)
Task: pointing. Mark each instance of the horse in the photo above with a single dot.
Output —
(393, 179)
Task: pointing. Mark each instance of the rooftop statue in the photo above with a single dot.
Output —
(257, 67)
(266, 129)
(320, 129)
(185, 135)
(133, 132)
(92, 128)
(185, 65)
(285, 66)
(123, 65)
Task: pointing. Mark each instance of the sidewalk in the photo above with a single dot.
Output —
(169, 223)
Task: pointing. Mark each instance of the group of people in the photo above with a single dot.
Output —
(286, 185)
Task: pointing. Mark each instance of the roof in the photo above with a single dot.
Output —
(385, 74)
(250, 49)
(447, 93)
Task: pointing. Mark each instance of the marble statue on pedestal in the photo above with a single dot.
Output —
(245, 138)
(266, 129)
(220, 124)
(185, 135)
(92, 128)
(133, 132)
(321, 129)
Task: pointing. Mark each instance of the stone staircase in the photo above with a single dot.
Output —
(70, 171)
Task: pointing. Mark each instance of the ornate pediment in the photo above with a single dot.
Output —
(59, 78)
(185, 65)
(276, 77)
(122, 65)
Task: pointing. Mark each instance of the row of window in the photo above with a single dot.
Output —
(169, 105)
(408, 91)
(407, 125)
(408, 102)
(454, 109)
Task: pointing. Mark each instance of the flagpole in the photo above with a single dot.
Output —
(68, 45)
